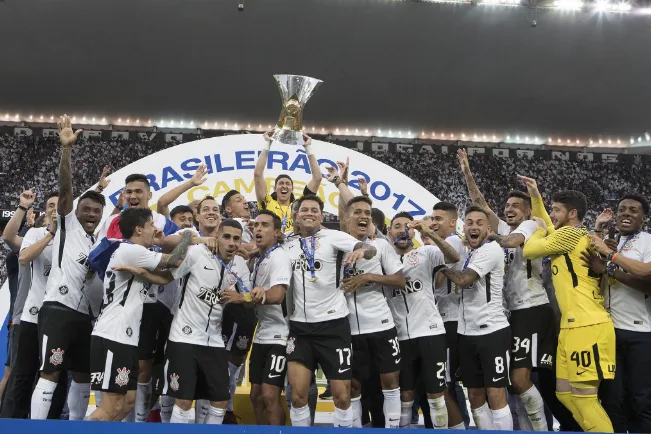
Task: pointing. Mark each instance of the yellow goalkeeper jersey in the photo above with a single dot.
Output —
(576, 287)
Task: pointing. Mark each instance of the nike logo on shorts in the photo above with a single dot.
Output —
(398, 360)
(497, 379)
(274, 376)
(343, 370)
(581, 373)
(205, 267)
(517, 359)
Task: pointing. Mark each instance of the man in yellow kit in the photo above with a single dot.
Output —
(586, 345)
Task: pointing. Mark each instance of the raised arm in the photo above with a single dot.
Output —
(537, 204)
(103, 180)
(315, 181)
(258, 173)
(450, 254)
(165, 200)
(473, 191)
(10, 234)
(67, 138)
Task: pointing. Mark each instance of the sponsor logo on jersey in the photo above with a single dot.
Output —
(83, 260)
(242, 342)
(129, 331)
(63, 290)
(57, 356)
(291, 346)
(174, 382)
(96, 377)
(411, 287)
(546, 359)
(122, 379)
(187, 330)
(46, 270)
(33, 310)
(210, 296)
(301, 264)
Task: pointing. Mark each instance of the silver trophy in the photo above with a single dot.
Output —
(295, 91)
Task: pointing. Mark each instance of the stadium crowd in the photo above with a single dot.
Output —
(385, 318)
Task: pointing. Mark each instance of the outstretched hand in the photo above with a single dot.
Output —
(66, 136)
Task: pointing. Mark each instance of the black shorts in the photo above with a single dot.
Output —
(114, 366)
(268, 364)
(452, 373)
(534, 337)
(425, 356)
(196, 372)
(325, 343)
(485, 359)
(238, 327)
(154, 330)
(12, 344)
(380, 349)
(64, 339)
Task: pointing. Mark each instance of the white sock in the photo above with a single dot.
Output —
(201, 407)
(523, 418)
(391, 408)
(166, 406)
(78, 397)
(460, 426)
(300, 416)
(438, 412)
(535, 407)
(405, 414)
(98, 398)
(131, 416)
(344, 418)
(143, 401)
(181, 416)
(42, 398)
(483, 417)
(356, 405)
(215, 416)
(234, 375)
(503, 419)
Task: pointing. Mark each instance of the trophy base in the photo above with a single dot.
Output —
(288, 137)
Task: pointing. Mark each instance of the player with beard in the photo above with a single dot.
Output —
(484, 332)
(319, 331)
(626, 398)
(35, 252)
(281, 199)
(114, 342)
(64, 323)
(374, 334)
(271, 276)
(586, 344)
(444, 224)
(532, 317)
(182, 216)
(421, 332)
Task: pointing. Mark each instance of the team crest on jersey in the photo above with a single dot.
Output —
(174, 382)
(187, 330)
(628, 245)
(33, 311)
(63, 290)
(242, 343)
(129, 331)
(122, 379)
(46, 270)
(161, 288)
(412, 258)
(57, 356)
(291, 346)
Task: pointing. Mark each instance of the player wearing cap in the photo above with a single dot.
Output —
(484, 332)
(281, 199)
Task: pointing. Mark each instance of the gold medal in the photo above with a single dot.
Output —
(313, 279)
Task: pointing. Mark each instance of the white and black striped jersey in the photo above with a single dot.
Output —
(71, 279)
(369, 310)
(321, 299)
(414, 306)
(168, 295)
(448, 294)
(629, 308)
(39, 271)
(124, 294)
(523, 285)
(481, 309)
(273, 319)
(198, 319)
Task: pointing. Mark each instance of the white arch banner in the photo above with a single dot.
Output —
(230, 161)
